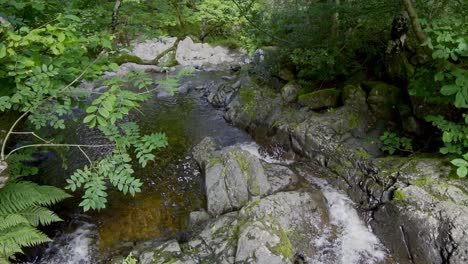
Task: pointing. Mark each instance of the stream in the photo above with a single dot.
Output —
(173, 187)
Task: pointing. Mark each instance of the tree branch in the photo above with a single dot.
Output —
(56, 145)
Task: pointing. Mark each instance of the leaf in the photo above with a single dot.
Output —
(459, 162)
(107, 105)
(88, 118)
(449, 89)
(462, 171)
(2, 51)
(72, 17)
(103, 112)
(102, 121)
(91, 109)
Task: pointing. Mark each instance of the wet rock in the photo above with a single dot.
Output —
(164, 253)
(320, 99)
(203, 151)
(220, 93)
(280, 177)
(289, 92)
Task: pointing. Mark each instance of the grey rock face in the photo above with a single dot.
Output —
(151, 48)
(320, 99)
(198, 55)
(280, 177)
(289, 92)
(232, 177)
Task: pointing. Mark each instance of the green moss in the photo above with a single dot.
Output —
(398, 196)
(170, 62)
(123, 58)
(422, 181)
(362, 154)
(353, 120)
(284, 248)
(215, 161)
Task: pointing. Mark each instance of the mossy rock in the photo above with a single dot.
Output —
(384, 99)
(320, 99)
(124, 58)
(350, 91)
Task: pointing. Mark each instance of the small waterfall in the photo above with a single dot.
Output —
(76, 247)
(355, 243)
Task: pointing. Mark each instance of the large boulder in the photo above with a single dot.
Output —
(232, 177)
(320, 99)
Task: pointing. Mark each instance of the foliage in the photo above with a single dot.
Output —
(462, 165)
(130, 259)
(324, 40)
(391, 143)
(22, 209)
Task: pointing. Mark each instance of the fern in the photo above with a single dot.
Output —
(21, 211)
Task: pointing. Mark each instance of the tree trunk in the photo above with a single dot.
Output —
(419, 32)
(115, 15)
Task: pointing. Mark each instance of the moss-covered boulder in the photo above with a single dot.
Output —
(289, 92)
(125, 57)
(320, 99)
(350, 91)
(383, 99)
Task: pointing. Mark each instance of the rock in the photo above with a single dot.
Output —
(164, 253)
(263, 242)
(280, 177)
(197, 218)
(320, 99)
(220, 93)
(199, 55)
(286, 74)
(4, 174)
(383, 99)
(232, 176)
(351, 91)
(203, 151)
(151, 48)
(289, 92)
(217, 197)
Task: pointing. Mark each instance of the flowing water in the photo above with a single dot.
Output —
(174, 187)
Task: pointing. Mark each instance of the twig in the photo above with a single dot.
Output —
(34, 134)
(56, 145)
(86, 155)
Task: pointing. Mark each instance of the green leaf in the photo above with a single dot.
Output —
(91, 109)
(102, 121)
(2, 51)
(459, 162)
(104, 112)
(449, 89)
(107, 105)
(88, 118)
(462, 171)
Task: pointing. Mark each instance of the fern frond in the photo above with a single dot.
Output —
(16, 237)
(18, 196)
(12, 220)
(39, 216)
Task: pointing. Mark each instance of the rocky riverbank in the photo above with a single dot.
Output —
(412, 204)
